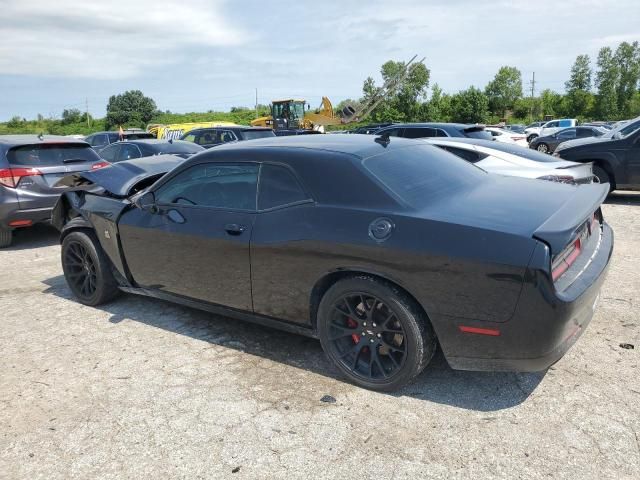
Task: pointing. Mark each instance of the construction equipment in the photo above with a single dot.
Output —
(175, 130)
(289, 115)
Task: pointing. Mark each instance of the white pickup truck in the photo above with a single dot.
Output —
(549, 128)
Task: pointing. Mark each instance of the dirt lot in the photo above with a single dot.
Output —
(145, 389)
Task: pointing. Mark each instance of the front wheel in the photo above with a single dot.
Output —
(543, 148)
(87, 269)
(602, 176)
(531, 138)
(375, 335)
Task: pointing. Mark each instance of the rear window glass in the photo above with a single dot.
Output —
(255, 134)
(278, 186)
(477, 133)
(51, 154)
(421, 173)
(179, 147)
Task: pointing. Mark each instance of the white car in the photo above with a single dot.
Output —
(507, 136)
(514, 160)
(549, 128)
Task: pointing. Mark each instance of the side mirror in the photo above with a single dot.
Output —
(146, 202)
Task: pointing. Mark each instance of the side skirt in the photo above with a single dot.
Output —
(225, 311)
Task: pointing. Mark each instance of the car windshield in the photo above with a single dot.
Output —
(254, 134)
(421, 173)
(51, 154)
(624, 129)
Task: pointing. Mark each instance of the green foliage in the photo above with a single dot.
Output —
(606, 105)
(130, 109)
(627, 57)
(404, 106)
(504, 90)
(469, 106)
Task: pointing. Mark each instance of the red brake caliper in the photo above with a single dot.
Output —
(353, 324)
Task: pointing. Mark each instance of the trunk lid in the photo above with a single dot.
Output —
(549, 211)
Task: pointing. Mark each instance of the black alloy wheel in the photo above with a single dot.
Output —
(367, 337)
(81, 269)
(87, 269)
(375, 334)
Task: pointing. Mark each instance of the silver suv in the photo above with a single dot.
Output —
(30, 166)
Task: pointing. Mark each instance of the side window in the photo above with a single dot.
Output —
(468, 155)
(441, 133)
(208, 137)
(231, 186)
(128, 151)
(113, 137)
(190, 137)
(278, 186)
(551, 125)
(109, 153)
(567, 134)
(585, 132)
(564, 123)
(227, 136)
(419, 132)
(99, 140)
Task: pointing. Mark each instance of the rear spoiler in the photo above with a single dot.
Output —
(563, 226)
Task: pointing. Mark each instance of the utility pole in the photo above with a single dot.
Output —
(86, 110)
(533, 89)
(256, 101)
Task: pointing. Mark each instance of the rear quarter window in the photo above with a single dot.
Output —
(421, 173)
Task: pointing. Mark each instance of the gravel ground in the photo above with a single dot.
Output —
(145, 389)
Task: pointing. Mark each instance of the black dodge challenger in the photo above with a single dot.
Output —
(381, 247)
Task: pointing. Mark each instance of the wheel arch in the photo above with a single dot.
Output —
(75, 224)
(332, 277)
(607, 165)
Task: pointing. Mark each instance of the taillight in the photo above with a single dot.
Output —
(10, 177)
(99, 165)
(566, 258)
(558, 178)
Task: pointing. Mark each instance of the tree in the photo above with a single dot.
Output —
(130, 108)
(551, 103)
(579, 100)
(71, 116)
(469, 106)
(438, 107)
(606, 104)
(627, 58)
(404, 105)
(503, 91)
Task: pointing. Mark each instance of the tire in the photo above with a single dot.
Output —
(531, 138)
(603, 176)
(6, 236)
(401, 340)
(542, 148)
(83, 258)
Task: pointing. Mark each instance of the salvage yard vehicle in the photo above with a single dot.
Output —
(145, 148)
(30, 165)
(426, 130)
(513, 160)
(615, 155)
(100, 140)
(174, 131)
(507, 136)
(211, 137)
(383, 248)
(549, 143)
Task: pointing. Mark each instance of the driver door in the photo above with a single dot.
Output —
(196, 244)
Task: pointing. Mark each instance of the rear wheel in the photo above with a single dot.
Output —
(6, 236)
(376, 336)
(603, 176)
(543, 148)
(87, 269)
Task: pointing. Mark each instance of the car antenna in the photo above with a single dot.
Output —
(383, 139)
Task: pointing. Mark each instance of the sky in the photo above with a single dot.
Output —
(199, 55)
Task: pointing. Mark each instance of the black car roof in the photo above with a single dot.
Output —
(362, 146)
(31, 139)
(242, 128)
(435, 125)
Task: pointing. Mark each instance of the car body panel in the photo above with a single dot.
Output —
(465, 255)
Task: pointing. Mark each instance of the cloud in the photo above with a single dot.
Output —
(108, 40)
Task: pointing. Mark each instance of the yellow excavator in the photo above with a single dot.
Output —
(290, 117)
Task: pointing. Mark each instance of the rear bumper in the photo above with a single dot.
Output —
(11, 213)
(545, 325)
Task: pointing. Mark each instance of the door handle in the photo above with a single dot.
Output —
(234, 228)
